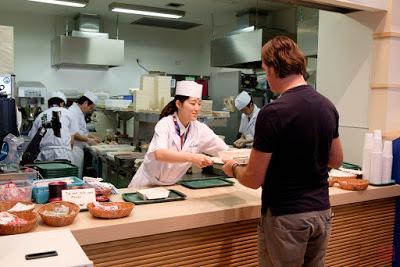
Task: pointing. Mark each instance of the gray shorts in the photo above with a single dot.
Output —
(294, 240)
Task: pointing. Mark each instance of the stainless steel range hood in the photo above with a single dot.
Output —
(95, 52)
(86, 47)
(242, 49)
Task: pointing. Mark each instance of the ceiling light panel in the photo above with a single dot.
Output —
(146, 10)
(73, 3)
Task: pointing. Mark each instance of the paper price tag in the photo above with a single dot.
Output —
(81, 197)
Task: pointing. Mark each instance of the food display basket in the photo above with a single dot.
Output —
(6, 205)
(28, 225)
(124, 210)
(59, 220)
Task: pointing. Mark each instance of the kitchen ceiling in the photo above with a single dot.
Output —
(197, 11)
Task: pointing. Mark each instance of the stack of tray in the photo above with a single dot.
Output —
(56, 169)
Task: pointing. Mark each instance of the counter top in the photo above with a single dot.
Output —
(204, 207)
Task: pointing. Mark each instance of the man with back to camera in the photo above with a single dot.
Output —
(53, 147)
(296, 139)
(244, 103)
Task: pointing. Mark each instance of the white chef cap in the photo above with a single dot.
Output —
(242, 100)
(59, 95)
(189, 88)
(91, 96)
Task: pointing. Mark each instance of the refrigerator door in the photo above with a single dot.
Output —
(225, 84)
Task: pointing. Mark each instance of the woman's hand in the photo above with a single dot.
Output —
(201, 160)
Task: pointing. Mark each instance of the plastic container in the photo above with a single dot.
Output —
(15, 191)
(41, 193)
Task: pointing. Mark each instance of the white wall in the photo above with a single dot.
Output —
(171, 51)
(344, 71)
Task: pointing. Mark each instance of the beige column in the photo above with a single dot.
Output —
(384, 105)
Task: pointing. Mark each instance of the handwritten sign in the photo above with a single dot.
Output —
(81, 197)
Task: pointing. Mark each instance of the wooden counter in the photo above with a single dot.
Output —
(218, 226)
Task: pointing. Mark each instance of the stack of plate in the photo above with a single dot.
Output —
(56, 169)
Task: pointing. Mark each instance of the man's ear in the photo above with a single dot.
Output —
(270, 71)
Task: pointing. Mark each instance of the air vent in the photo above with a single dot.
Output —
(175, 5)
(163, 23)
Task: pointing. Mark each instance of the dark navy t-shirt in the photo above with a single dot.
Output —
(297, 128)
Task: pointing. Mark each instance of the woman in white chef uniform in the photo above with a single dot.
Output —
(244, 103)
(51, 146)
(179, 140)
(85, 104)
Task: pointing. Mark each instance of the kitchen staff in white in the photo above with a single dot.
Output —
(85, 104)
(244, 103)
(51, 146)
(178, 141)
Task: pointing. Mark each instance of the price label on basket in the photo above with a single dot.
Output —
(81, 197)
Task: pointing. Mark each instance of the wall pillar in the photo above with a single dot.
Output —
(384, 104)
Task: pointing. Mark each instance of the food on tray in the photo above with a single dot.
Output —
(153, 193)
(241, 156)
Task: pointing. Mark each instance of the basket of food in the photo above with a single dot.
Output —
(17, 207)
(11, 224)
(353, 184)
(59, 213)
(111, 210)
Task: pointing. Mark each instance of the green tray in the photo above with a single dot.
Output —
(206, 183)
(134, 197)
(55, 166)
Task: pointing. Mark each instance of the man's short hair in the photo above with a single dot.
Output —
(55, 101)
(283, 54)
(82, 100)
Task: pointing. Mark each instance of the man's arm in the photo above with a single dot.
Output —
(335, 154)
(253, 174)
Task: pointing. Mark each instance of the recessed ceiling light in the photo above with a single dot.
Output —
(146, 11)
(174, 5)
(73, 3)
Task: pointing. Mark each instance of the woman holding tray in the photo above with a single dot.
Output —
(178, 141)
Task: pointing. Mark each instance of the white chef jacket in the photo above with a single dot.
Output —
(247, 127)
(52, 147)
(200, 138)
(79, 117)
(77, 151)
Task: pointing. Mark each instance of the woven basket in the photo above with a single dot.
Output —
(124, 209)
(59, 220)
(12, 229)
(353, 184)
(6, 205)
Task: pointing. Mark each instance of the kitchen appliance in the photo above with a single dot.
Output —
(228, 85)
(31, 96)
